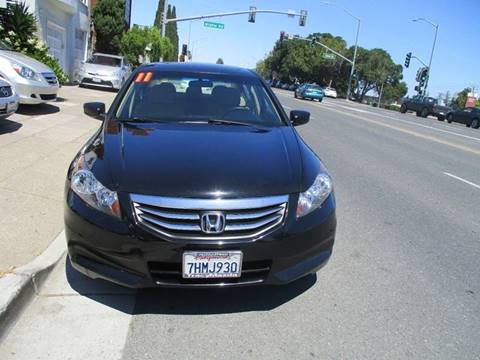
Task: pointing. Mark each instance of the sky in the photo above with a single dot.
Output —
(385, 24)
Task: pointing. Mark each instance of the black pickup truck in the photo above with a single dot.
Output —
(424, 106)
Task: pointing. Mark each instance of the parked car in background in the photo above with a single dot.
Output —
(330, 92)
(285, 86)
(293, 87)
(34, 82)
(424, 106)
(309, 91)
(265, 216)
(104, 70)
(8, 99)
(469, 116)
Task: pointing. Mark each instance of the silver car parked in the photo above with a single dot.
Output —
(34, 82)
(104, 70)
(8, 99)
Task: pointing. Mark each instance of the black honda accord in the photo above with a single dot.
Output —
(197, 178)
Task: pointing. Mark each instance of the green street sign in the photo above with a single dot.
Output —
(329, 56)
(214, 25)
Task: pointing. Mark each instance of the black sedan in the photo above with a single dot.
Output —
(197, 178)
(468, 116)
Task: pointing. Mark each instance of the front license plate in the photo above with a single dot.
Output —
(97, 80)
(212, 264)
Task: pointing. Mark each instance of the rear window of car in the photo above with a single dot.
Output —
(105, 60)
(170, 97)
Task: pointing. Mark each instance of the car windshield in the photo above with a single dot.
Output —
(184, 97)
(105, 60)
(313, 87)
(4, 46)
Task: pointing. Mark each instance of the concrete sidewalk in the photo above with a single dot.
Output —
(36, 147)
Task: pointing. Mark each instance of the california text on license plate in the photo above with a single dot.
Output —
(212, 264)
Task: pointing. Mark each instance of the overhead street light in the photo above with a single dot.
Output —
(433, 47)
(356, 42)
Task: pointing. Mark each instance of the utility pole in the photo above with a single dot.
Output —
(164, 20)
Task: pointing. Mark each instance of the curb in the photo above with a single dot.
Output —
(19, 288)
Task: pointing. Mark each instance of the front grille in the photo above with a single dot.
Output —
(89, 81)
(48, 96)
(180, 218)
(51, 78)
(164, 273)
(5, 91)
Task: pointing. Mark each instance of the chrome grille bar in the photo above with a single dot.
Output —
(180, 218)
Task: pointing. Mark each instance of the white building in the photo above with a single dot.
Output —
(64, 25)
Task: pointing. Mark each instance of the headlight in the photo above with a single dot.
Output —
(89, 189)
(315, 195)
(25, 72)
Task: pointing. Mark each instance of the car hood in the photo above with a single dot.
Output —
(24, 60)
(202, 160)
(101, 70)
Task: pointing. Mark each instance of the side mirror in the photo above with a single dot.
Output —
(95, 110)
(299, 117)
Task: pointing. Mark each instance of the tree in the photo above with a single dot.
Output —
(220, 61)
(171, 32)
(109, 25)
(136, 40)
(158, 14)
(448, 98)
(461, 99)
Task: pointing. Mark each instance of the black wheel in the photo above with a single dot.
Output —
(468, 125)
(295, 94)
(440, 118)
(424, 113)
(403, 108)
(449, 118)
(475, 123)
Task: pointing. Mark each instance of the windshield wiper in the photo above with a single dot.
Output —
(229, 122)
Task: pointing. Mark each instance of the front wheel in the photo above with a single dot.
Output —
(403, 108)
(424, 113)
(440, 118)
(475, 123)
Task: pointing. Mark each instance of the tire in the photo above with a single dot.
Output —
(295, 94)
(475, 123)
(403, 108)
(424, 113)
(449, 119)
(468, 125)
(440, 118)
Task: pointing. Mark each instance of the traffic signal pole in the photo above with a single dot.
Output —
(349, 89)
(433, 47)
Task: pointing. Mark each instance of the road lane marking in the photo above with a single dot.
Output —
(462, 180)
(411, 132)
(287, 107)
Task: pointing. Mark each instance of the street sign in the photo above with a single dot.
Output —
(214, 25)
(329, 56)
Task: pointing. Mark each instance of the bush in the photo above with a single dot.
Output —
(17, 30)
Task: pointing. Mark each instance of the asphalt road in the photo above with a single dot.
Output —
(404, 280)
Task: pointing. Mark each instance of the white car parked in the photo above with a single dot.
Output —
(34, 82)
(330, 92)
(104, 70)
(8, 99)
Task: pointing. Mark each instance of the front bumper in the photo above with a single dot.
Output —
(35, 92)
(100, 246)
(8, 105)
(110, 82)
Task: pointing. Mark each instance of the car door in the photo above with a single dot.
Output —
(464, 116)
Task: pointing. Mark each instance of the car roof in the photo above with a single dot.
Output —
(109, 55)
(205, 68)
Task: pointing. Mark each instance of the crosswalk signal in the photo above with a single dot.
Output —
(407, 59)
(303, 18)
(251, 15)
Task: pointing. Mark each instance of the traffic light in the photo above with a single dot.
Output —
(423, 76)
(303, 18)
(251, 15)
(282, 35)
(184, 49)
(313, 41)
(354, 75)
(407, 59)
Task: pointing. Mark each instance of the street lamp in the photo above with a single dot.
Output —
(433, 47)
(356, 42)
